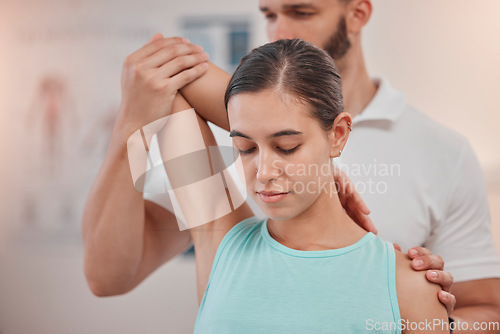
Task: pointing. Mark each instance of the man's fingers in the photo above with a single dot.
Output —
(352, 202)
(185, 77)
(425, 262)
(359, 203)
(170, 53)
(180, 64)
(155, 37)
(348, 192)
(448, 300)
(363, 207)
(367, 224)
(443, 278)
(361, 219)
(418, 251)
(354, 210)
(153, 46)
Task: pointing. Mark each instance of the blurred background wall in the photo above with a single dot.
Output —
(60, 65)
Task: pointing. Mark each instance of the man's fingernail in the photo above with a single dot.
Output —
(418, 263)
(185, 40)
(365, 207)
(413, 252)
(434, 274)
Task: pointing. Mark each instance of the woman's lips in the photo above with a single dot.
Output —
(268, 197)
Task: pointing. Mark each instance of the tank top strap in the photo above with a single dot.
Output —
(391, 275)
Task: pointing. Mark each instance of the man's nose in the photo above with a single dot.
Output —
(283, 30)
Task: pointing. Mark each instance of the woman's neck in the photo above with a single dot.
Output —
(324, 225)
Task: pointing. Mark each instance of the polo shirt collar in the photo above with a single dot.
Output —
(387, 104)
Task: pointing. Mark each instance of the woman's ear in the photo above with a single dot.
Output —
(339, 133)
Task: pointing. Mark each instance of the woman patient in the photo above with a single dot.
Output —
(307, 268)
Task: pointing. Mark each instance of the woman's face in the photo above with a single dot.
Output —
(277, 137)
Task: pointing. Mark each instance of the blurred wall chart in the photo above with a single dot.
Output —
(63, 104)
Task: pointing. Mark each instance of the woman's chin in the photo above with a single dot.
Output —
(278, 213)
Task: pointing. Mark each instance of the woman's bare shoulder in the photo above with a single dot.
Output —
(417, 297)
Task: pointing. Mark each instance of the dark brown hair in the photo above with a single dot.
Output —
(295, 68)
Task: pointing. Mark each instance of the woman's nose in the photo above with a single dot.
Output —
(268, 168)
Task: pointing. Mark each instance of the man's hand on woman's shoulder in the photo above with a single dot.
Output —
(417, 300)
(433, 265)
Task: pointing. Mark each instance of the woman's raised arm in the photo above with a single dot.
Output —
(206, 95)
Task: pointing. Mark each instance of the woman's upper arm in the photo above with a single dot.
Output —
(207, 238)
(421, 311)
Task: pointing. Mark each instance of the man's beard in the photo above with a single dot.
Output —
(338, 44)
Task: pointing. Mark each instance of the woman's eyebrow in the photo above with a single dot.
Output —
(287, 132)
(235, 133)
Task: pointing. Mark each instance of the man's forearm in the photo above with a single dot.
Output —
(206, 95)
(113, 222)
(476, 319)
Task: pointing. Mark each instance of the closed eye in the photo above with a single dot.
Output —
(290, 151)
(247, 151)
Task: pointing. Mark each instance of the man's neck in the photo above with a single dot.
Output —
(357, 87)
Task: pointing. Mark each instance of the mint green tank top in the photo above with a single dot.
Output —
(258, 285)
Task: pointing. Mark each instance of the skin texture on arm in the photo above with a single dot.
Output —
(207, 237)
(206, 95)
(417, 300)
(125, 237)
(477, 301)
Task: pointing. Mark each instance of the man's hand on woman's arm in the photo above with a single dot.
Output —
(152, 75)
(423, 259)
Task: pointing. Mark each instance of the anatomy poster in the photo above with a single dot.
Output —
(64, 97)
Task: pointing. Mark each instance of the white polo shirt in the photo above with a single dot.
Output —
(423, 184)
(421, 181)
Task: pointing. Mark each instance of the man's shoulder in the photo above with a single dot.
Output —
(426, 130)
